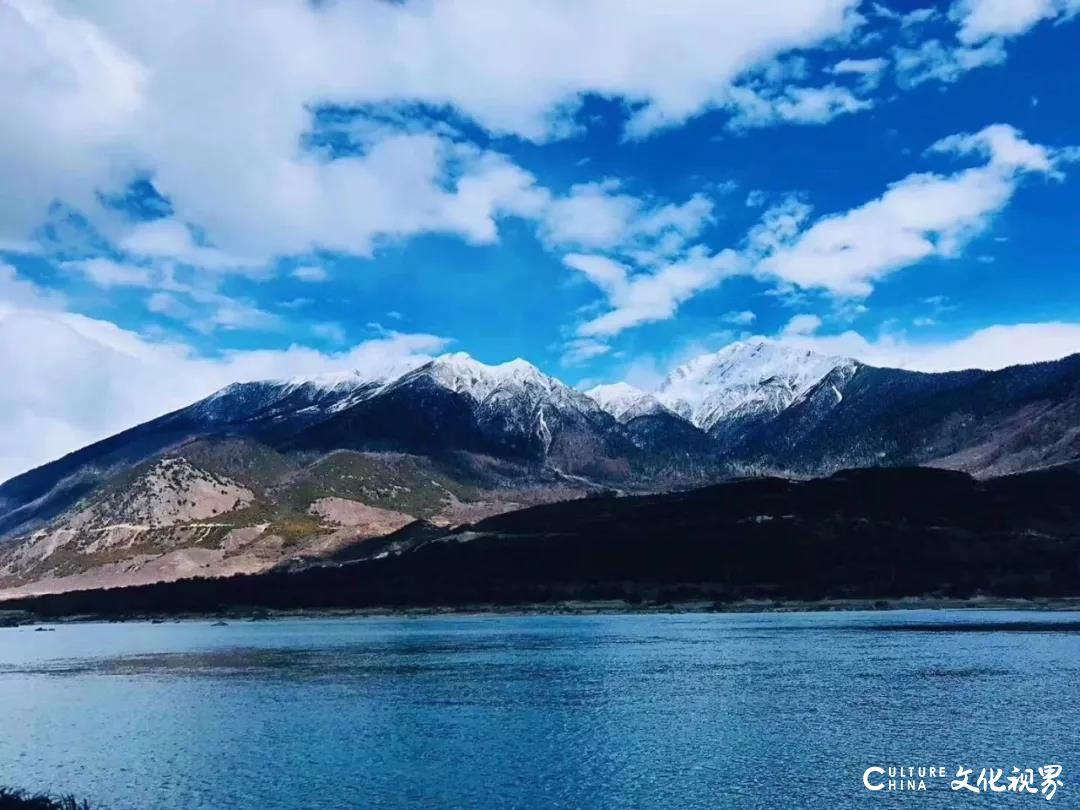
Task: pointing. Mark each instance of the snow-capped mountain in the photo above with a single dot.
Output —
(517, 383)
(750, 406)
(451, 402)
(625, 401)
(744, 380)
(456, 403)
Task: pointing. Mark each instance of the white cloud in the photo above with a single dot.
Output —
(579, 351)
(69, 93)
(295, 303)
(802, 325)
(934, 60)
(87, 379)
(921, 216)
(779, 224)
(1002, 146)
(212, 102)
(233, 315)
(644, 297)
(198, 304)
(108, 273)
(598, 216)
(918, 16)
(169, 239)
(18, 292)
(591, 215)
(741, 318)
(202, 307)
(980, 19)
(983, 26)
(310, 274)
(868, 71)
(844, 254)
(793, 105)
(756, 198)
(167, 304)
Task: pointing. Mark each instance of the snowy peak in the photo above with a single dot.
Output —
(463, 374)
(517, 381)
(625, 401)
(744, 379)
(333, 381)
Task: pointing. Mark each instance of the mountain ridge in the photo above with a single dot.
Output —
(453, 439)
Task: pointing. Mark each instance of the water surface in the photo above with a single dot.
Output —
(681, 711)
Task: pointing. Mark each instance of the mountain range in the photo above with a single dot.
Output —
(261, 473)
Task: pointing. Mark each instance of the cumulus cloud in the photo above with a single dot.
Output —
(310, 273)
(168, 239)
(981, 19)
(792, 105)
(213, 102)
(167, 304)
(844, 254)
(591, 215)
(802, 325)
(234, 315)
(921, 216)
(580, 351)
(69, 94)
(983, 27)
(108, 273)
(644, 297)
(198, 306)
(741, 318)
(934, 60)
(599, 216)
(16, 292)
(868, 71)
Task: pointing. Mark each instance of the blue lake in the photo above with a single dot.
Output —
(648, 711)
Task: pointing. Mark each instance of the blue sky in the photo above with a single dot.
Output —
(204, 192)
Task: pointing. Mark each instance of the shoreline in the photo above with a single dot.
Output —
(23, 618)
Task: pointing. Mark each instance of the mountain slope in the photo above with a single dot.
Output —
(997, 422)
(215, 507)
